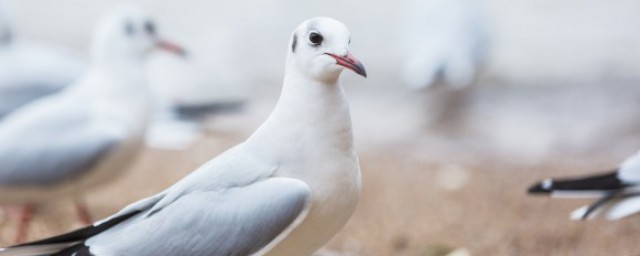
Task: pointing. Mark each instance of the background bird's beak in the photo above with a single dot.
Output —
(350, 62)
(171, 47)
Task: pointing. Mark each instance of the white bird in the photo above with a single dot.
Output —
(443, 40)
(617, 191)
(286, 190)
(70, 142)
(31, 70)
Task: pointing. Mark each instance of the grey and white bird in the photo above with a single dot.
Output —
(286, 190)
(617, 191)
(65, 144)
(443, 40)
(31, 70)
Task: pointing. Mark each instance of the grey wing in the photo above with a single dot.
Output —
(52, 149)
(237, 221)
(12, 98)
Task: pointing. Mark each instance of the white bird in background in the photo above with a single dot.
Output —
(84, 136)
(286, 190)
(617, 191)
(31, 71)
(444, 41)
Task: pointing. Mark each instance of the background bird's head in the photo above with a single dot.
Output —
(128, 33)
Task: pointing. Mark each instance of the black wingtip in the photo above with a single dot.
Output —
(82, 233)
(600, 182)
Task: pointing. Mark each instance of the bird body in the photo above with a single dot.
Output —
(286, 190)
(85, 136)
(109, 106)
(62, 127)
(332, 172)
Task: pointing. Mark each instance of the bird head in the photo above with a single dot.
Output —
(319, 47)
(128, 32)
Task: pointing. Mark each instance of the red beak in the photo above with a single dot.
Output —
(171, 47)
(350, 62)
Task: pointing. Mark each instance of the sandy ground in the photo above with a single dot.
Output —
(414, 202)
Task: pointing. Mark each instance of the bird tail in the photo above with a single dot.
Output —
(71, 243)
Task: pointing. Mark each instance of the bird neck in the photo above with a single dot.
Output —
(118, 62)
(119, 78)
(309, 113)
(119, 75)
(116, 93)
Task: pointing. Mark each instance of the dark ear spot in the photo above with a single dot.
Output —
(129, 29)
(150, 27)
(294, 43)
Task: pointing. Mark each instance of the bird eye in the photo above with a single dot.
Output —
(315, 38)
(150, 27)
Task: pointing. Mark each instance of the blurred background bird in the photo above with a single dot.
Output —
(444, 45)
(31, 70)
(88, 134)
(444, 42)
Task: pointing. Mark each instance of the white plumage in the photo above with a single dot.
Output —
(65, 144)
(286, 190)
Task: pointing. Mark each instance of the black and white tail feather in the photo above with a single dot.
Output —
(588, 186)
(69, 244)
(617, 191)
(73, 243)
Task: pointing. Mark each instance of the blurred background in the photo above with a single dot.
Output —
(536, 89)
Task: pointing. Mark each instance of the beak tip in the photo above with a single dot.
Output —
(359, 68)
(362, 72)
(351, 63)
